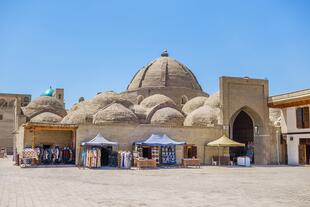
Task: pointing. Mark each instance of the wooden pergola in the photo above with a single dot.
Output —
(35, 127)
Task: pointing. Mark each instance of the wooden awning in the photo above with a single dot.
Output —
(51, 126)
(297, 98)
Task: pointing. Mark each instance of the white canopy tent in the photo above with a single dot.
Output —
(98, 141)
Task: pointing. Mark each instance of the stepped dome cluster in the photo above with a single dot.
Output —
(164, 92)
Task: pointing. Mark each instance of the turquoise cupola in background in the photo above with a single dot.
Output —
(48, 92)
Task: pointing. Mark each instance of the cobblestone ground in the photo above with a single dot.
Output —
(208, 186)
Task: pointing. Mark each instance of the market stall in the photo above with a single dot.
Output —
(54, 144)
(29, 157)
(98, 152)
(190, 156)
(223, 142)
(158, 147)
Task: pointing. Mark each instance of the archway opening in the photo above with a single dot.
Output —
(243, 132)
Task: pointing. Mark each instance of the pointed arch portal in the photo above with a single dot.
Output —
(243, 132)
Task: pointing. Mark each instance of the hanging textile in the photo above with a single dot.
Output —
(93, 157)
(168, 155)
(125, 159)
(55, 155)
(30, 153)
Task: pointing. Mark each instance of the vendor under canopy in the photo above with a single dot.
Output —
(98, 152)
(224, 141)
(158, 147)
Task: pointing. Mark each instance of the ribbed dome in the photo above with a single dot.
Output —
(164, 72)
(46, 117)
(115, 113)
(156, 99)
(203, 116)
(168, 116)
(193, 104)
(44, 104)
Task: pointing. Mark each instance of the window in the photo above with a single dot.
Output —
(183, 100)
(59, 96)
(140, 99)
(302, 117)
(1, 117)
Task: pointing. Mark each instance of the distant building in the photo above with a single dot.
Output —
(295, 125)
(10, 108)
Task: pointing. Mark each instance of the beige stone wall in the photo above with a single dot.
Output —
(10, 109)
(251, 96)
(127, 134)
(7, 129)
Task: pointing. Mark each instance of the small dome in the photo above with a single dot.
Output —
(193, 104)
(168, 116)
(44, 104)
(46, 117)
(106, 98)
(203, 116)
(214, 100)
(164, 72)
(81, 113)
(140, 111)
(49, 92)
(115, 113)
(156, 99)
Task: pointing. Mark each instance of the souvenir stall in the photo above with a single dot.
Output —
(28, 158)
(53, 144)
(223, 142)
(158, 149)
(98, 152)
(190, 156)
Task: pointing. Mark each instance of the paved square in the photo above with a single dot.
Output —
(208, 186)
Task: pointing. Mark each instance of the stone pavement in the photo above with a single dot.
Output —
(208, 186)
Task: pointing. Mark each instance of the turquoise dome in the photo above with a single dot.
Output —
(48, 92)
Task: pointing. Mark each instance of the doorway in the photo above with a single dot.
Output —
(243, 132)
(304, 151)
(147, 152)
(105, 155)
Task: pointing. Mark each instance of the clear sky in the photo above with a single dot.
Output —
(91, 46)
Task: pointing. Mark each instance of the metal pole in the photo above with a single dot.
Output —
(219, 155)
(277, 138)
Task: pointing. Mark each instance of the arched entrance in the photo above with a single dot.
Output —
(243, 132)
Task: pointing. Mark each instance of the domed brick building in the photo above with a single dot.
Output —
(165, 76)
(164, 97)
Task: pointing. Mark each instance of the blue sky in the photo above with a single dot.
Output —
(91, 46)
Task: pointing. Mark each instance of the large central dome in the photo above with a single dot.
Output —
(164, 72)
